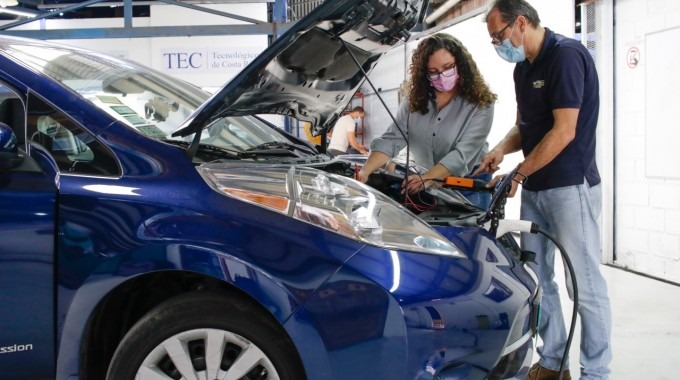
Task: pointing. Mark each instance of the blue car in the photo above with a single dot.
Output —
(150, 230)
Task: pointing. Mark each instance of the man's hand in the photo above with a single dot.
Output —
(490, 163)
(513, 184)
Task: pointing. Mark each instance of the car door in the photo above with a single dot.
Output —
(27, 241)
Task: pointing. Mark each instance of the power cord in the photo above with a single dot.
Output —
(565, 257)
(504, 226)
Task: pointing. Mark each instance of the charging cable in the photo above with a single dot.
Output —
(504, 226)
(565, 257)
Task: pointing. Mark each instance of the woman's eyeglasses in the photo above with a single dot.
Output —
(446, 73)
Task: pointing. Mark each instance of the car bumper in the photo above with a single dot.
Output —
(445, 318)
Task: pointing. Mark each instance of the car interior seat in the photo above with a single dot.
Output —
(57, 140)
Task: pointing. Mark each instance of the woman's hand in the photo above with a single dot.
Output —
(363, 176)
(416, 183)
(374, 161)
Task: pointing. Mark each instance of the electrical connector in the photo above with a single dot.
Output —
(460, 183)
(506, 225)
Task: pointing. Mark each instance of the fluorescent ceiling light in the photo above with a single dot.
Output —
(149, 2)
(439, 12)
(8, 3)
(17, 12)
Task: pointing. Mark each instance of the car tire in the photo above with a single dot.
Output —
(206, 334)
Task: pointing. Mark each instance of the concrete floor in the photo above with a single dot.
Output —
(646, 327)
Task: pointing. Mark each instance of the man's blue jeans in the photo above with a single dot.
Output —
(571, 215)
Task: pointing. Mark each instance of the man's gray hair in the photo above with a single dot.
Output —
(511, 9)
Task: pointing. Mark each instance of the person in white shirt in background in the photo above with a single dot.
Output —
(343, 138)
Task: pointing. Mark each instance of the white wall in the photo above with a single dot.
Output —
(389, 74)
(211, 74)
(648, 181)
(210, 68)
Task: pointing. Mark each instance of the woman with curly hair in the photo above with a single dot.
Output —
(447, 117)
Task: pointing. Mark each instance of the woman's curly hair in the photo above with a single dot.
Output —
(471, 84)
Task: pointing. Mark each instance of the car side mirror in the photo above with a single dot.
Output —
(9, 151)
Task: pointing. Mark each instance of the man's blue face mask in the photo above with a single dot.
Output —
(510, 53)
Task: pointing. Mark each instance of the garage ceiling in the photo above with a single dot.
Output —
(283, 14)
(21, 12)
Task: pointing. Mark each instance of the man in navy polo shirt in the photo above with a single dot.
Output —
(557, 93)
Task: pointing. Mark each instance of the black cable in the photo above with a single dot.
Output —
(535, 228)
(408, 153)
(394, 120)
(375, 90)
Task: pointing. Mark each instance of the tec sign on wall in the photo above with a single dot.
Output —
(204, 60)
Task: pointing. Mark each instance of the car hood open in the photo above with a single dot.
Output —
(310, 72)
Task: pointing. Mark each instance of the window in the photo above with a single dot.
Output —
(75, 150)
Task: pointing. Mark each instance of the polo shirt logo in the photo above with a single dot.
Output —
(539, 83)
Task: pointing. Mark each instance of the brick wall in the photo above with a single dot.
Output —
(647, 189)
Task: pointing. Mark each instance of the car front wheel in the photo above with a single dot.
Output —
(206, 335)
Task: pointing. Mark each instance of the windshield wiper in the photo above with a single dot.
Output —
(272, 145)
(208, 148)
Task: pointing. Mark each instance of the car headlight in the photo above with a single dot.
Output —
(333, 202)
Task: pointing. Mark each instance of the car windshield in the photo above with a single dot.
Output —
(151, 102)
